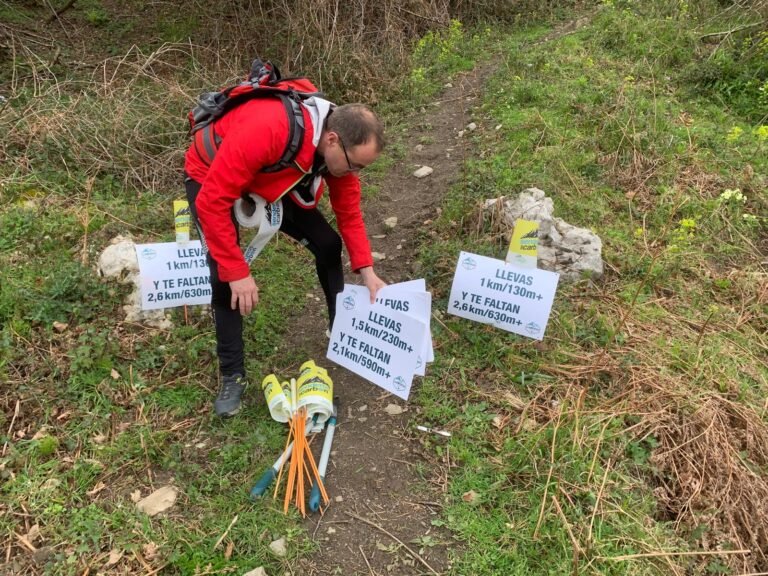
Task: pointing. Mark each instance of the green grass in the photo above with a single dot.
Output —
(603, 120)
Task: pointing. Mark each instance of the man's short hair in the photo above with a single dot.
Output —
(357, 124)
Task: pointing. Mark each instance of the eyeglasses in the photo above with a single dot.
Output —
(352, 167)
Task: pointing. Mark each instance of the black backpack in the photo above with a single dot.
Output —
(264, 81)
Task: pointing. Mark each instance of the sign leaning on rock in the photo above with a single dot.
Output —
(506, 296)
(173, 274)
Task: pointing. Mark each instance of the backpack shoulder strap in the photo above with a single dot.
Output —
(296, 131)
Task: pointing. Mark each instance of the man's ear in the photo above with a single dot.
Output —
(332, 137)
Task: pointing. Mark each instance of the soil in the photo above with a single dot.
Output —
(382, 500)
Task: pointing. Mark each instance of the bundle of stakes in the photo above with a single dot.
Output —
(302, 464)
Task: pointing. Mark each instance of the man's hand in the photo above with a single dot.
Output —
(372, 282)
(245, 294)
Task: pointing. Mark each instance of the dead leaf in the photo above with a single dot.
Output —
(42, 433)
(60, 326)
(114, 557)
(514, 401)
(150, 550)
(51, 483)
(500, 422)
(229, 550)
(34, 533)
(159, 501)
(63, 416)
(115, 374)
(136, 495)
(99, 438)
(471, 497)
(96, 489)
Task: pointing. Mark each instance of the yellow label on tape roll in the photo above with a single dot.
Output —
(181, 218)
(524, 244)
(279, 405)
(315, 391)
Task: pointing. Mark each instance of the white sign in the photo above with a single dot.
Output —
(380, 344)
(173, 274)
(412, 299)
(514, 299)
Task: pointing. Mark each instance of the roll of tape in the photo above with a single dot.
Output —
(315, 393)
(258, 213)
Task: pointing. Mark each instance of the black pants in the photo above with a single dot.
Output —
(309, 228)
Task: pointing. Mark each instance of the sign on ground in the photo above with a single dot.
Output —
(173, 274)
(508, 297)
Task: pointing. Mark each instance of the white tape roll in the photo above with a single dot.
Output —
(315, 393)
(258, 213)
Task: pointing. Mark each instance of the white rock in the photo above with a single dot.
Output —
(378, 256)
(390, 222)
(448, 85)
(471, 126)
(460, 134)
(419, 147)
(159, 501)
(563, 248)
(119, 261)
(279, 548)
(423, 172)
(339, 499)
(331, 530)
(256, 572)
(498, 127)
(363, 408)
(393, 409)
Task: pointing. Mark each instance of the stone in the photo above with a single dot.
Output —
(390, 222)
(378, 256)
(393, 409)
(572, 252)
(419, 147)
(279, 548)
(119, 262)
(256, 572)
(471, 126)
(331, 530)
(423, 172)
(159, 501)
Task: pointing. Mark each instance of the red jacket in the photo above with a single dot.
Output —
(254, 135)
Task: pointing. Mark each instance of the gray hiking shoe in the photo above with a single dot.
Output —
(227, 403)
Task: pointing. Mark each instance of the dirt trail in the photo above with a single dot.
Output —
(373, 478)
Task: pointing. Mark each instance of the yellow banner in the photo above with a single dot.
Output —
(524, 245)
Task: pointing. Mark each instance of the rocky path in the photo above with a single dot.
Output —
(385, 490)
